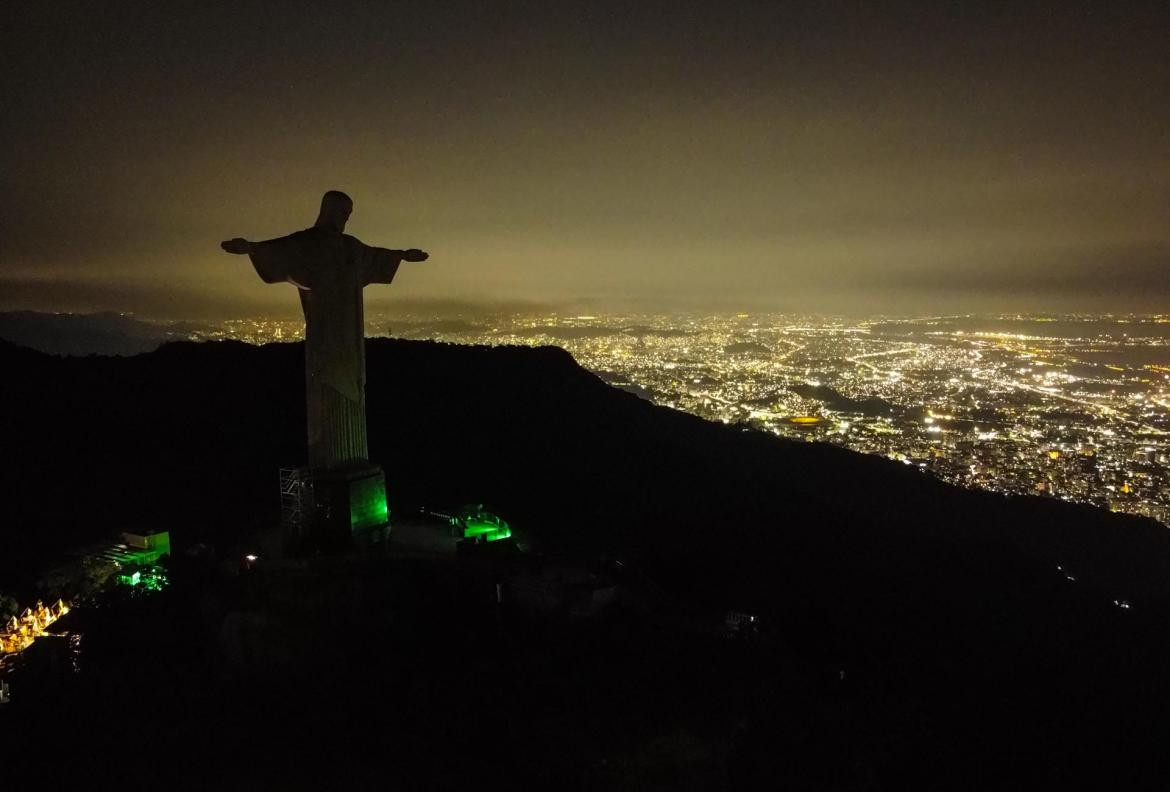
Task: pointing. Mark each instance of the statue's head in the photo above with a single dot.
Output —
(335, 209)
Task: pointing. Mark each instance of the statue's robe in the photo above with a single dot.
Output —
(330, 270)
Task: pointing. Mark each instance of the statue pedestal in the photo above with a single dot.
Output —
(351, 508)
(347, 511)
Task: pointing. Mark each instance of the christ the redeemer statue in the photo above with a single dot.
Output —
(330, 269)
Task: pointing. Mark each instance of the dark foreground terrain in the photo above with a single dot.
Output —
(913, 635)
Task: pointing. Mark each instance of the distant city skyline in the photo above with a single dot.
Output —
(1075, 408)
(817, 156)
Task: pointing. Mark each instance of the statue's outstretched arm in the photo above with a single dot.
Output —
(382, 265)
(412, 254)
(239, 246)
(276, 260)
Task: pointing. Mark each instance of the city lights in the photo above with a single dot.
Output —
(1064, 408)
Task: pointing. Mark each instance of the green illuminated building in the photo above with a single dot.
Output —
(137, 557)
(139, 549)
(478, 524)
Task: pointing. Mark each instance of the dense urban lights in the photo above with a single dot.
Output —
(1074, 407)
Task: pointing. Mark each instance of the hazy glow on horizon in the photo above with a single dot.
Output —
(807, 156)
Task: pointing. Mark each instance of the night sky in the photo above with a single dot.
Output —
(820, 156)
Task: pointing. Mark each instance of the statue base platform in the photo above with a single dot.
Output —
(343, 510)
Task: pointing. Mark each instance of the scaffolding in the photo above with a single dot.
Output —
(296, 505)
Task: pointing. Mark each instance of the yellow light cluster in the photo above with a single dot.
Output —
(32, 624)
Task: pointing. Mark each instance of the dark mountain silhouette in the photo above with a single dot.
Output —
(749, 348)
(106, 333)
(835, 400)
(935, 618)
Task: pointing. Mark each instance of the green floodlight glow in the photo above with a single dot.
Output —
(151, 579)
(477, 522)
(368, 506)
